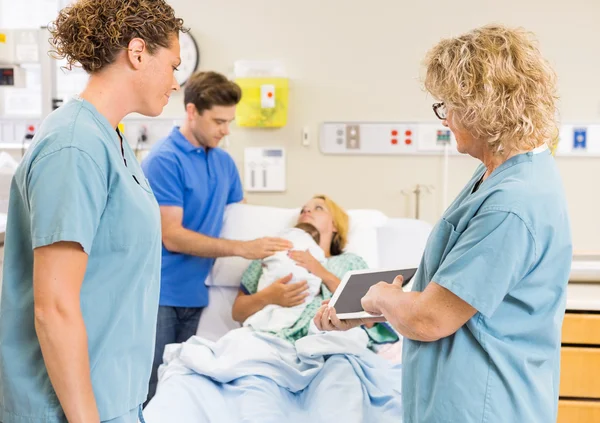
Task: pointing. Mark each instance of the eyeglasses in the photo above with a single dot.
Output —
(440, 110)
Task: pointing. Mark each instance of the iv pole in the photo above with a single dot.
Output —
(418, 191)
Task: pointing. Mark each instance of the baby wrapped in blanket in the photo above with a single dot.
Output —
(274, 318)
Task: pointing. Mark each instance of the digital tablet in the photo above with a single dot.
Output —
(354, 286)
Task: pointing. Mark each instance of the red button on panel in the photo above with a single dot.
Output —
(408, 133)
(394, 141)
(31, 128)
(394, 133)
(408, 141)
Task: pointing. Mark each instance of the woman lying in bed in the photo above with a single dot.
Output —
(331, 221)
(297, 376)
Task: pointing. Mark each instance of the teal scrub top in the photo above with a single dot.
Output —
(74, 185)
(506, 250)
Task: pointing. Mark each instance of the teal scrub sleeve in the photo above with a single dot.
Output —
(67, 194)
(492, 255)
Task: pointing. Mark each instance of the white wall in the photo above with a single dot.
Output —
(357, 60)
(21, 14)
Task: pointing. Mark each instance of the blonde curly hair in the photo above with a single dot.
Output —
(498, 85)
(93, 32)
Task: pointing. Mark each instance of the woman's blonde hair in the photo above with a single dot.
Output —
(341, 223)
(498, 85)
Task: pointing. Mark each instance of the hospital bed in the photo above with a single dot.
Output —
(384, 243)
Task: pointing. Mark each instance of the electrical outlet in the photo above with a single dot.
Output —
(305, 136)
(353, 137)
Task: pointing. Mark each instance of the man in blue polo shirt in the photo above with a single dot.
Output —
(193, 180)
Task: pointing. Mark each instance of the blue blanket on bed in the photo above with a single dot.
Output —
(255, 377)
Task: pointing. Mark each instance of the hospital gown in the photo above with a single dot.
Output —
(339, 266)
(275, 318)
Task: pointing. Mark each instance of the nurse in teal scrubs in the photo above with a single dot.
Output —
(482, 326)
(83, 243)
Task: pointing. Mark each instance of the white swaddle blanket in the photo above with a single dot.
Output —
(274, 318)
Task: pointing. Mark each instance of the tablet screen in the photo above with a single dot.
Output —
(358, 285)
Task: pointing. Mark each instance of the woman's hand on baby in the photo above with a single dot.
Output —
(285, 294)
(263, 247)
(305, 259)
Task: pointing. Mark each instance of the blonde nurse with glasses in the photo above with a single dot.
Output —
(482, 326)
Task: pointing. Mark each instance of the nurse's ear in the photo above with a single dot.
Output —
(136, 50)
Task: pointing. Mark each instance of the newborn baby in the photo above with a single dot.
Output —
(274, 318)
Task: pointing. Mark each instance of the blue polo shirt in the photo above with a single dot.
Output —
(202, 182)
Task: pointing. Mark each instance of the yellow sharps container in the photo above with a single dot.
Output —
(264, 102)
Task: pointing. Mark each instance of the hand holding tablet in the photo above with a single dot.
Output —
(354, 286)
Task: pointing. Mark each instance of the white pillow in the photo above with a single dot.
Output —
(216, 320)
(246, 222)
(362, 234)
(402, 242)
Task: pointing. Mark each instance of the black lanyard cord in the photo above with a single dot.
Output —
(123, 155)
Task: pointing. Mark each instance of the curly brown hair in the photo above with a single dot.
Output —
(207, 89)
(93, 32)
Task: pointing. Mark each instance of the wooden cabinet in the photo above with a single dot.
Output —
(573, 411)
(580, 371)
(580, 368)
(581, 328)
